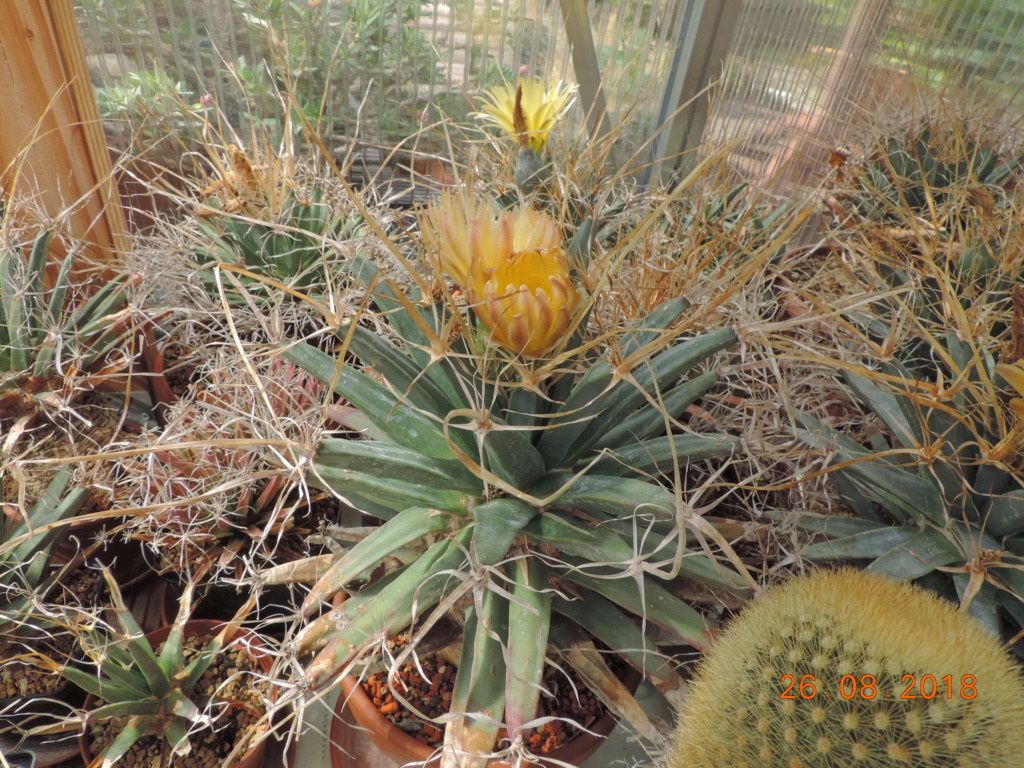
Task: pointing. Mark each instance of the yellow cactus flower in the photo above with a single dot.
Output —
(518, 282)
(445, 228)
(542, 104)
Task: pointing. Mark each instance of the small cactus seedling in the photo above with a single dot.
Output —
(848, 668)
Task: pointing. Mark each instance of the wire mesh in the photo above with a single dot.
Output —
(804, 74)
(372, 70)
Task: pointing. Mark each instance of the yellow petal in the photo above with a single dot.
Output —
(1014, 375)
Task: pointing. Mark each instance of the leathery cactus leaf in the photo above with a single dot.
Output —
(613, 496)
(511, 456)
(654, 326)
(529, 618)
(656, 375)
(392, 461)
(407, 526)
(497, 522)
(654, 603)
(661, 454)
(605, 621)
(651, 419)
(403, 424)
(413, 591)
(395, 494)
(595, 545)
(402, 372)
(479, 693)
(586, 399)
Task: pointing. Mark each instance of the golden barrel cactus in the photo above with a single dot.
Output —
(848, 668)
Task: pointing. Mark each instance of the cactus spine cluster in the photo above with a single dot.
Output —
(840, 627)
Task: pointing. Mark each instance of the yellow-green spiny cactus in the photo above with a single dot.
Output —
(819, 673)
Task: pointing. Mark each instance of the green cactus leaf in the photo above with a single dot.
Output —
(510, 455)
(19, 332)
(497, 522)
(661, 453)
(614, 496)
(586, 399)
(529, 620)
(596, 545)
(61, 285)
(654, 604)
(412, 591)
(603, 619)
(834, 525)
(888, 406)
(1005, 514)
(479, 691)
(402, 373)
(653, 327)
(35, 287)
(652, 419)
(391, 461)
(983, 606)
(408, 526)
(657, 374)
(403, 424)
(903, 494)
(917, 556)
(386, 491)
(867, 545)
(525, 406)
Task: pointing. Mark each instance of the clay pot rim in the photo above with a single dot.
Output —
(355, 699)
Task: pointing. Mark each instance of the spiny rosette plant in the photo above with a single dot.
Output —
(26, 547)
(514, 463)
(155, 692)
(262, 223)
(938, 495)
(50, 350)
(848, 668)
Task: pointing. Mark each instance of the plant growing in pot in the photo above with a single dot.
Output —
(220, 495)
(28, 683)
(263, 224)
(191, 689)
(513, 464)
(53, 353)
(936, 494)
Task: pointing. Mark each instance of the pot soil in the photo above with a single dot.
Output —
(31, 690)
(243, 718)
(406, 738)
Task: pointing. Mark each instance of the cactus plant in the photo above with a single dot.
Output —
(937, 502)
(266, 227)
(42, 342)
(27, 547)
(513, 473)
(846, 669)
(159, 692)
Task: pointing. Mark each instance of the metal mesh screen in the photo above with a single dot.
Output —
(378, 70)
(804, 73)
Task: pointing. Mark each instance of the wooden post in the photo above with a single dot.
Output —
(52, 146)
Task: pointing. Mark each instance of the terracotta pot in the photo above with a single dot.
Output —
(121, 556)
(250, 641)
(403, 748)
